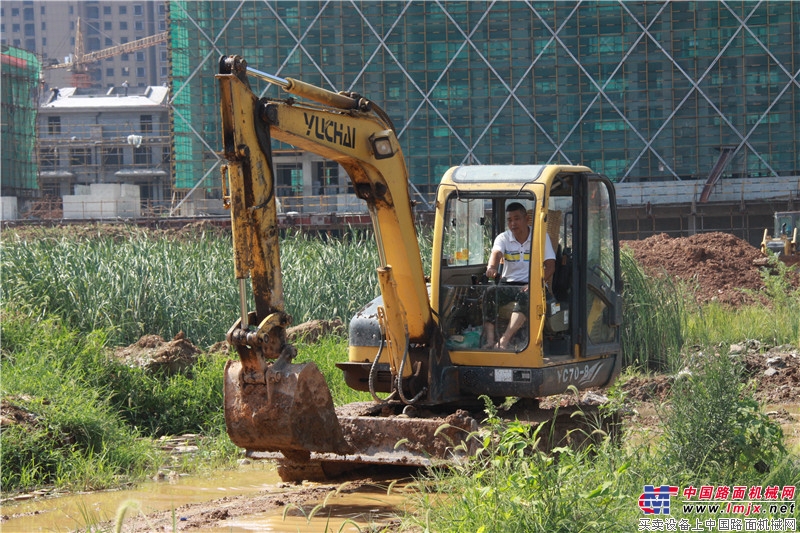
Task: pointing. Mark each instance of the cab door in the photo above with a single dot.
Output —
(597, 259)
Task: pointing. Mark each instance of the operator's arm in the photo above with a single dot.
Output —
(494, 263)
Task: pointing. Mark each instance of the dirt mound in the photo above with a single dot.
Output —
(312, 330)
(154, 354)
(719, 266)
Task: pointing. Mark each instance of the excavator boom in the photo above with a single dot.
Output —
(271, 404)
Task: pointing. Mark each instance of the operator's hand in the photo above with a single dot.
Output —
(491, 272)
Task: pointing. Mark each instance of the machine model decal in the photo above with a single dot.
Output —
(581, 375)
(330, 130)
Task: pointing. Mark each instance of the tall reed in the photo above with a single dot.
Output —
(137, 283)
(652, 334)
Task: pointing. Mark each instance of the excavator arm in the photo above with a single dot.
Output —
(270, 403)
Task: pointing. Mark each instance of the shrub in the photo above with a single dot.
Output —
(713, 424)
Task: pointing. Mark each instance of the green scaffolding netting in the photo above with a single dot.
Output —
(20, 81)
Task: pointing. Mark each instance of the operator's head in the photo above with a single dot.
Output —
(517, 220)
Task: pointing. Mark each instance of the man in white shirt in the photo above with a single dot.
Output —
(513, 247)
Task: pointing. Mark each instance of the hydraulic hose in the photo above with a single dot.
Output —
(400, 380)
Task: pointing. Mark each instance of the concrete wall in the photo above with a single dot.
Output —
(103, 201)
(8, 208)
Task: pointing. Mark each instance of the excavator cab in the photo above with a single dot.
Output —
(571, 334)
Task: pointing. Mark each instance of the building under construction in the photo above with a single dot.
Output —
(20, 86)
(692, 108)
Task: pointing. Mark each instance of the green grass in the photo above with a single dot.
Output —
(515, 487)
(775, 320)
(79, 440)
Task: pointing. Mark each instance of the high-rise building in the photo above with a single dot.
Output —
(51, 30)
(640, 91)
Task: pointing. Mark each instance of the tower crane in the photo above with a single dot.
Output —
(81, 60)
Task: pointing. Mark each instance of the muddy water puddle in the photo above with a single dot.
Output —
(331, 507)
(74, 511)
(369, 508)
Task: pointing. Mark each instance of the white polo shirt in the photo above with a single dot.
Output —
(517, 255)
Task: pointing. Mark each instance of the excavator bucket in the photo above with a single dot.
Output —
(290, 412)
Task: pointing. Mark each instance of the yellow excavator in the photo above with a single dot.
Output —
(420, 348)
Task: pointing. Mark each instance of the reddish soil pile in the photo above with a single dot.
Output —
(717, 266)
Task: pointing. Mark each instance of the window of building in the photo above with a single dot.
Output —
(140, 72)
(162, 25)
(327, 176)
(124, 57)
(53, 125)
(15, 28)
(112, 157)
(107, 25)
(123, 25)
(106, 10)
(138, 10)
(146, 123)
(126, 71)
(80, 157)
(14, 11)
(42, 10)
(27, 13)
(290, 179)
(30, 44)
(44, 42)
(92, 12)
(162, 9)
(109, 72)
(123, 10)
(142, 156)
(16, 43)
(164, 71)
(71, 10)
(138, 25)
(48, 158)
(44, 26)
(109, 42)
(139, 56)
